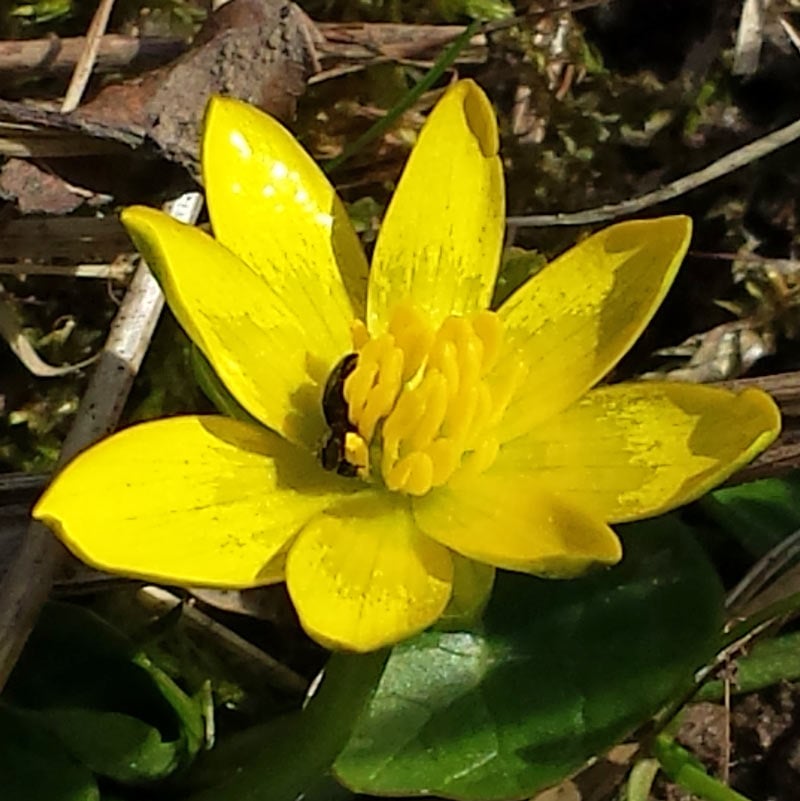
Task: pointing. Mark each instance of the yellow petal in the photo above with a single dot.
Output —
(634, 450)
(472, 588)
(571, 323)
(189, 500)
(439, 244)
(362, 576)
(272, 359)
(510, 522)
(273, 207)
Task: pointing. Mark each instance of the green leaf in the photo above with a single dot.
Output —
(187, 710)
(760, 514)
(109, 706)
(768, 663)
(110, 744)
(34, 765)
(559, 672)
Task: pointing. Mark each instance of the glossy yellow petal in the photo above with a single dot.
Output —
(362, 576)
(272, 358)
(571, 323)
(439, 244)
(272, 206)
(634, 450)
(189, 500)
(510, 522)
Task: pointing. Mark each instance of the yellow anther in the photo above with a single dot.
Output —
(413, 336)
(470, 354)
(445, 456)
(356, 451)
(407, 413)
(446, 360)
(420, 478)
(358, 384)
(384, 393)
(412, 474)
(359, 334)
(462, 414)
(366, 378)
(489, 329)
(433, 391)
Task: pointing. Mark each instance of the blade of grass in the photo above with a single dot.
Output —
(687, 772)
(447, 57)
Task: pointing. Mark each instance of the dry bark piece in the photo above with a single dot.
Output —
(38, 191)
(256, 50)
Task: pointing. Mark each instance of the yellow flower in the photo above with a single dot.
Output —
(454, 434)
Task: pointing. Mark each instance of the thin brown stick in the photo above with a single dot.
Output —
(274, 673)
(727, 164)
(27, 583)
(117, 271)
(783, 456)
(85, 65)
(56, 56)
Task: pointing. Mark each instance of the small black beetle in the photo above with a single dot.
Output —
(334, 406)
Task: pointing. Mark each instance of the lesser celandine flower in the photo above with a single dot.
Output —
(454, 435)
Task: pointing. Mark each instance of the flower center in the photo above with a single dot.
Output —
(420, 402)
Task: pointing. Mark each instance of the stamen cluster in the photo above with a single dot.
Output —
(428, 397)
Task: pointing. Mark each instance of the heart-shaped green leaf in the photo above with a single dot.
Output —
(558, 672)
(110, 744)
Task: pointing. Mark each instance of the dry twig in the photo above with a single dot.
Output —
(749, 38)
(273, 672)
(729, 163)
(85, 65)
(54, 55)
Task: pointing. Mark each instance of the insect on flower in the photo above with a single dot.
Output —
(337, 448)
(455, 438)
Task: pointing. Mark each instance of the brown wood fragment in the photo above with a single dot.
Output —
(74, 239)
(255, 50)
(361, 41)
(37, 191)
(43, 116)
